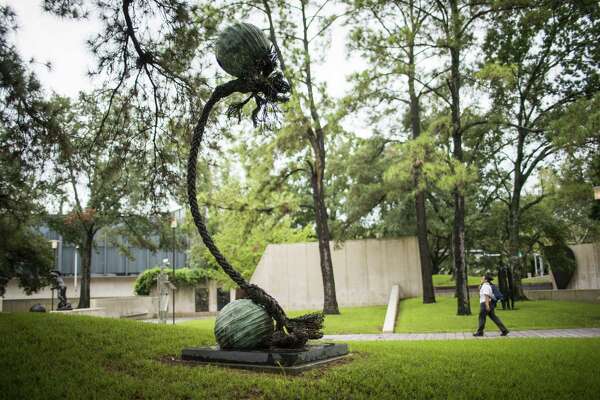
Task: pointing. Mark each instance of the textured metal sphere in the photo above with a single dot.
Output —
(243, 50)
(243, 325)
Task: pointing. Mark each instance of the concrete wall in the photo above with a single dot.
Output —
(123, 307)
(587, 274)
(113, 294)
(364, 270)
(583, 295)
(102, 286)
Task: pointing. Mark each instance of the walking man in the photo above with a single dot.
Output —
(487, 303)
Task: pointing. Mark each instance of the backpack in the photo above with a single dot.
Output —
(497, 294)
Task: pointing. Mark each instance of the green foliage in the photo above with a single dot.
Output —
(244, 219)
(28, 129)
(190, 277)
(25, 255)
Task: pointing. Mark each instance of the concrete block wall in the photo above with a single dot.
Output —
(102, 286)
(123, 307)
(364, 272)
(579, 295)
(112, 293)
(587, 274)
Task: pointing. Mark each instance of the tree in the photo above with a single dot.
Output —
(102, 169)
(25, 255)
(455, 22)
(27, 130)
(394, 45)
(304, 116)
(150, 57)
(543, 63)
(244, 221)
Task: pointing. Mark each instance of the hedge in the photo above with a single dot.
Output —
(183, 277)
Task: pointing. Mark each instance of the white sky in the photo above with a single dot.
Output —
(62, 41)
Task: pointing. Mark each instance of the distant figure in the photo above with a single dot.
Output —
(487, 303)
(58, 284)
(164, 288)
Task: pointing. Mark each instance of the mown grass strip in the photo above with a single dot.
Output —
(60, 357)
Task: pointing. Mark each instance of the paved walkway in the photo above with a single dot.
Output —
(177, 319)
(545, 333)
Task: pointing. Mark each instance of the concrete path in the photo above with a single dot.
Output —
(545, 333)
(177, 320)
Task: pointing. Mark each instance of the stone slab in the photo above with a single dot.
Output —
(282, 360)
(392, 310)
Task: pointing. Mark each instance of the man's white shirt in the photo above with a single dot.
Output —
(486, 289)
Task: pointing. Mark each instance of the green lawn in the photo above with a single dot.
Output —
(534, 280)
(351, 320)
(442, 280)
(414, 316)
(47, 357)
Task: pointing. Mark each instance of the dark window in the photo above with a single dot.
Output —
(222, 298)
(201, 299)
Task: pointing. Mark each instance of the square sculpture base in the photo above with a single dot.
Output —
(273, 360)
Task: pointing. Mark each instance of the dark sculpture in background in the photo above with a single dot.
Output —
(245, 52)
(37, 308)
(58, 284)
(505, 281)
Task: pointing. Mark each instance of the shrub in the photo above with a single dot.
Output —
(183, 277)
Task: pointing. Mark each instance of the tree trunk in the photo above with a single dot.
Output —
(86, 270)
(424, 254)
(316, 138)
(330, 305)
(514, 245)
(458, 233)
(415, 118)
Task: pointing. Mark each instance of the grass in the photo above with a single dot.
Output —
(414, 316)
(442, 280)
(351, 320)
(534, 280)
(49, 356)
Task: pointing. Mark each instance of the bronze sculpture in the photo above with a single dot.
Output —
(58, 284)
(244, 51)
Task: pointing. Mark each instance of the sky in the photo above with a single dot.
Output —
(62, 42)
(44, 38)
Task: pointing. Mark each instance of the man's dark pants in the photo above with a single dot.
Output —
(483, 313)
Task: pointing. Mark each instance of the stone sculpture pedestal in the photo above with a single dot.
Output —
(270, 360)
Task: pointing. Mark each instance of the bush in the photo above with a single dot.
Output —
(183, 277)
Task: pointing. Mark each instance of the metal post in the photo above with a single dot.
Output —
(174, 226)
(54, 244)
(75, 267)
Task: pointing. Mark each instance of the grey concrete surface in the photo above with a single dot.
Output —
(542, 333)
